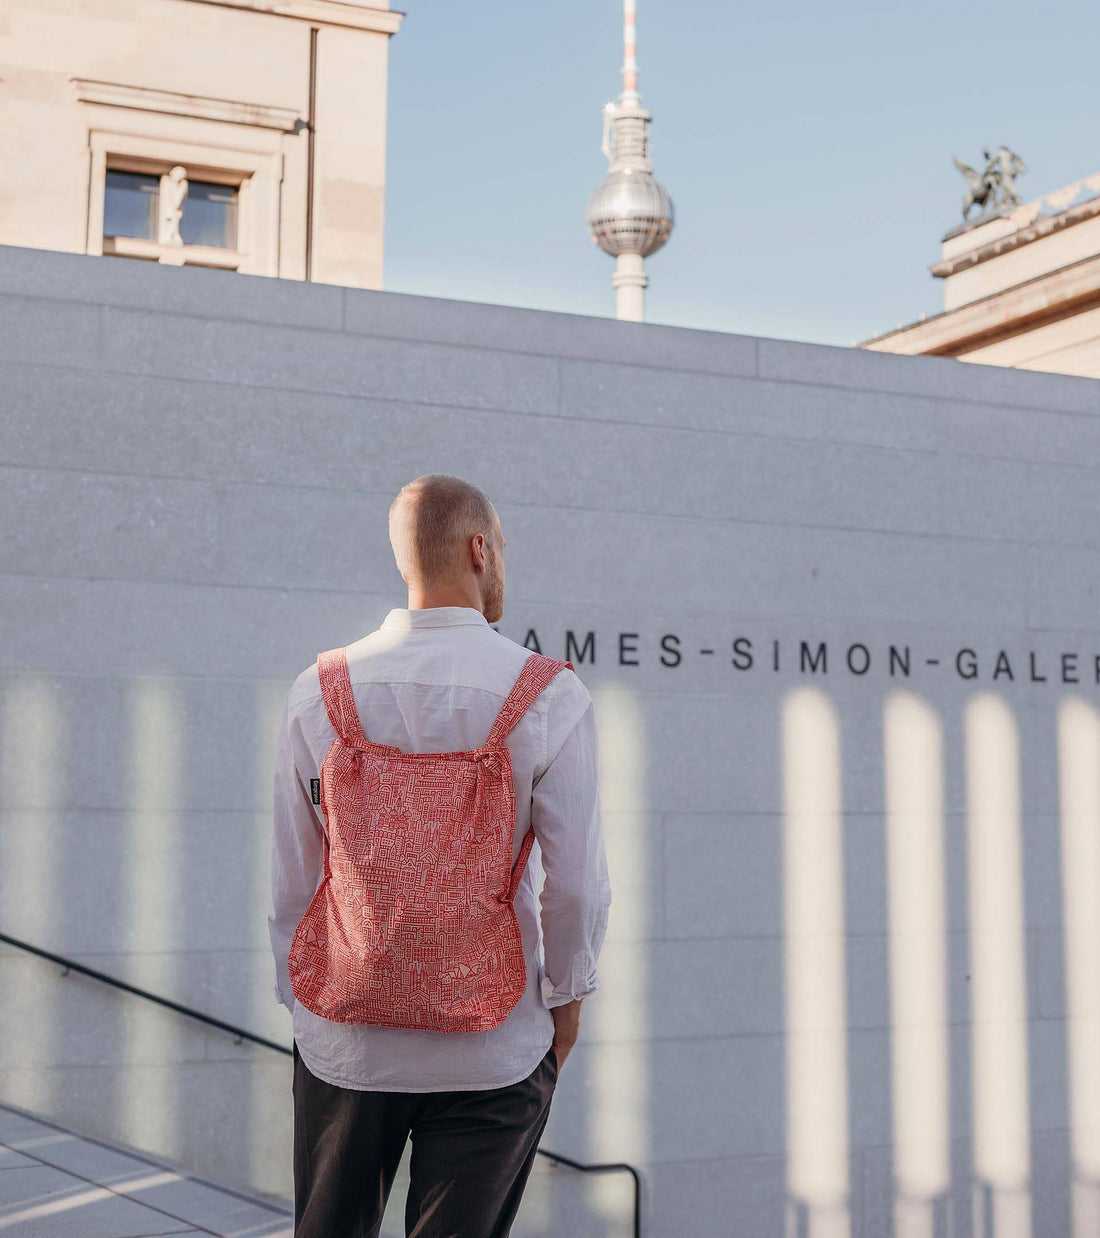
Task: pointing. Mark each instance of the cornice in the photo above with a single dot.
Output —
(1022, 236)
(351, 13)
(1006, 313)
(115, 94)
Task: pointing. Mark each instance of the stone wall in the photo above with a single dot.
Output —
(838, 611)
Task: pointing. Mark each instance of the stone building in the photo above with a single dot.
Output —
(1021, 288)
(242, 134)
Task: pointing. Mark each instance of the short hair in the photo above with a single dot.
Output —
(430, 519)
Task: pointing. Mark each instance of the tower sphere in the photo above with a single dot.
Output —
(630, 213)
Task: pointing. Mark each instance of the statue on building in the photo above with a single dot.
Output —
(173, 191)
(994, 187)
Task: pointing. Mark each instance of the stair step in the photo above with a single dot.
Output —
(55, 1182)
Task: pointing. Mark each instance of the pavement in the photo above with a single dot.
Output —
(55, 1183)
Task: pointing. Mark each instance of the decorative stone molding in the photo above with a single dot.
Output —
(1056, 201)
(1009, 312)
(325, 12)
(257, 115)
(180, 255)
(1023, 236)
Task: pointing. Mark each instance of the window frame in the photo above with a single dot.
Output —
(255, 175)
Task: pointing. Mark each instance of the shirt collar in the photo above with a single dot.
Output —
(402, 618)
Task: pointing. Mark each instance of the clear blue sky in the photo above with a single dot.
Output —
(807, 148)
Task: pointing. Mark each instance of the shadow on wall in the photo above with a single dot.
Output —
(992, 1096)
(932, 1065)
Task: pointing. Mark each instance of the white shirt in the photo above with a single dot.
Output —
(434, 680)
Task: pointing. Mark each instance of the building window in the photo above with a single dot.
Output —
(210, 215)
(170, 217)
(130, 205)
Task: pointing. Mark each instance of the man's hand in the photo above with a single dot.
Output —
(567, 1026)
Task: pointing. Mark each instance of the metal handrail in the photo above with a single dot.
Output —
(241, 1033)
(609, 1167)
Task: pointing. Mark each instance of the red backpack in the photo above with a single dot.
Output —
(412, 924)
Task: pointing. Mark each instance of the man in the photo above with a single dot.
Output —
(433, 678)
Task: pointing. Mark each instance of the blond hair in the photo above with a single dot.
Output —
(431, 519)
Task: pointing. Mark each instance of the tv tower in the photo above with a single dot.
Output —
(630, 214)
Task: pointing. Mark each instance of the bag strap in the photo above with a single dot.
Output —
(536, 675)
(332, 670)
(521, 863)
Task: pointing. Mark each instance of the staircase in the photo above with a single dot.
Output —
(55, 1183)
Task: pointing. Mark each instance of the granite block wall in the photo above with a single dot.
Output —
(838, 611)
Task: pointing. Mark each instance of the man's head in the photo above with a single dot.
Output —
(448, 544)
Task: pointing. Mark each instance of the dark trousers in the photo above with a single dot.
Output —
(472, 1153)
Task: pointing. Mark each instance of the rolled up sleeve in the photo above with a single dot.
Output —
(576, 894)
(297, 857)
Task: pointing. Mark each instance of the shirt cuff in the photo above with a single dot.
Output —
(583, 979)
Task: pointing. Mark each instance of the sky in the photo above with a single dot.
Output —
(807, 147)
